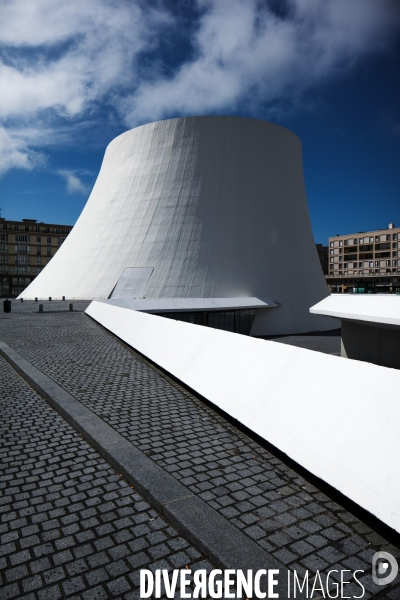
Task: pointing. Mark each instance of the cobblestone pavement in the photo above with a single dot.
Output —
(238, 477)
(70, 527)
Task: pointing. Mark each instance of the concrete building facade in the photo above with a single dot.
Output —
(197, 207)
(365, 262)
(26, 247)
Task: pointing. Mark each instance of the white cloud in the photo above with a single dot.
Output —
(70, 53)
(74, 184)
(247, 53)
(16, 153)
(67, 63)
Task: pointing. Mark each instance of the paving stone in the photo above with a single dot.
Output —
(68, 567)
(68, 483)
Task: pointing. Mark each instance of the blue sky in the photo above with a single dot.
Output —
(75, 74)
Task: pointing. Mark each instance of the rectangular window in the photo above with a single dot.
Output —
(388, 237)
(360, 265)
(387, 263)
(48, 251)
(394, 253)
(47, 230)
(22, 238)
(371, 264)
(58, 230)
(354, 265)
(394, 263)
(377, 263)
(340, 243)
(355, 242)
(38, 240)
(37, 229)
(38, 250)
(371, 239)
(3, 237)
(49, 240)
(38, 260)
(395, 236)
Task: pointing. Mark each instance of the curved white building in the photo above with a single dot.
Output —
(197, 207)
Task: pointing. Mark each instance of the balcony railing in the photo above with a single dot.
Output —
(341, 274)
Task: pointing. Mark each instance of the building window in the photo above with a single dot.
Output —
(38, 260)
(3, 237)
(22, 238)
(38, 250)
(37, 229)
(345, 266)
(48, 251)
(331, 259)
(38, 240)
(49, 240)
(371, 239)
(58, 230)
(395, 236)
(16, 228)
(354, 265)
(388, 237)
(394, 263)
(387, 263)
(377, 263)
(394, 253)
(371, 264)
(360, 265)
(21, 259)
(340, 243)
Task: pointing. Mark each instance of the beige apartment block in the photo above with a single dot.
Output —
(26, 247)
(365, 262)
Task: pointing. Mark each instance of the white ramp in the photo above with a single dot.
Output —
(337, 418)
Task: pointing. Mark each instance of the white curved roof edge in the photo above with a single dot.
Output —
(374, 308)
(155, 305)
(280, 392)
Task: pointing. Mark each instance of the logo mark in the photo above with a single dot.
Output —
(384, 568)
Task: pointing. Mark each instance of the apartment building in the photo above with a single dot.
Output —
(365, 262)
(25, 249)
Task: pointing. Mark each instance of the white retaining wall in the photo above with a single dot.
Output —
(337, 418)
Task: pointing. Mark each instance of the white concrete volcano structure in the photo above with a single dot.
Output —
(197, 207)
